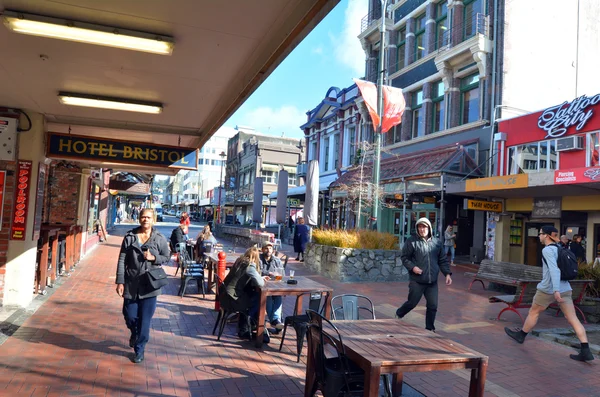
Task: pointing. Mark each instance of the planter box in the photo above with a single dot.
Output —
(353, 264)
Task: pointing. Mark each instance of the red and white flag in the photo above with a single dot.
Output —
(393, 103)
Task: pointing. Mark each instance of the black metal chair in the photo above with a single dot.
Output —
(190, 270)
(299, 321)
(334, 376)
(224, 313)
(349, 307)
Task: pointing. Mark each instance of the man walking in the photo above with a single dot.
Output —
(269, 265)
(552, 289)
(424, 257)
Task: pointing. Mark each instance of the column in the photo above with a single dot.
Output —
(430, 28)
(428, 107)
(410, 41)
(456, 7)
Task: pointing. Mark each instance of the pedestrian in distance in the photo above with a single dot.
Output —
(301, 237)
(552, 289)
(564, 241)
(578, 249)
(143, 248)
(449, 243)
(424, 257)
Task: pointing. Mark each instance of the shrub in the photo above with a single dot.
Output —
(363, 239)
(589, 272)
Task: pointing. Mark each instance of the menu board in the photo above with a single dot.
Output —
(39, 200)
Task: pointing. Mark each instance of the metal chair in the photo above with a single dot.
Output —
(299, 321)
(349, 306)
(277, 245)
(190, 270)
(224, 313)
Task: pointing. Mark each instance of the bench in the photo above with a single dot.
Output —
(526, 289)
(505, 273)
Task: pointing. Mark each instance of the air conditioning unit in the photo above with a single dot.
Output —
(569, 143)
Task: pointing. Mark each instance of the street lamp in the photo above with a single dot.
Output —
(377, 160)
(222, 155)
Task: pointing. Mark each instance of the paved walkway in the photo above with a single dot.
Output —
(76, 344)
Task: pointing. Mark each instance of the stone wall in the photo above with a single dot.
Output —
(353, 264)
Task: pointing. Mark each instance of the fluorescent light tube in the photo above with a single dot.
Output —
(94, 101)
(424, 183)
(87, 33)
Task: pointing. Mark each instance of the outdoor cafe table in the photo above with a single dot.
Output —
(281, 288)
(213, 261)
(393, 347)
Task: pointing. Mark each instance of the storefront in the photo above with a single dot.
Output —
(547, 172)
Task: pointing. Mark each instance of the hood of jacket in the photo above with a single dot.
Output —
(426, 222)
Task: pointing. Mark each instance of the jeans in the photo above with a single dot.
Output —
(451, 249)
(274, 306)
(138, 315)
(415, 291)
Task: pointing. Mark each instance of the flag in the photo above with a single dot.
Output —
(393, 103)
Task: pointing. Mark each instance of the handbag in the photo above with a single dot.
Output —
(156, 277)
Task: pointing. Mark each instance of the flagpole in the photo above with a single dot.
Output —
(377, 161)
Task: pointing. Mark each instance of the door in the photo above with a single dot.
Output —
(533, 247)
(414, 216)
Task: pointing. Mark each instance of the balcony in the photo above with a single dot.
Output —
(370, 19)
(301, 169)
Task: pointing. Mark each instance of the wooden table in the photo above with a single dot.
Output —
(281, 288)
(212, 262)
(393, 347)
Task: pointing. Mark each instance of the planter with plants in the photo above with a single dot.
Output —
(350, 255)
(591, 304)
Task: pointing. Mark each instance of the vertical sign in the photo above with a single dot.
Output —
(19, 220)
(2, 188)
(39, 200)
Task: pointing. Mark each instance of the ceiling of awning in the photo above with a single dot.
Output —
(223, 51)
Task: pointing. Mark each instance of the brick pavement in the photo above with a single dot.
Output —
(75, 344)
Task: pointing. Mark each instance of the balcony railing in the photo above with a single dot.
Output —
(370, 19)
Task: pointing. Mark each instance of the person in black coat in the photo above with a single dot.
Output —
(301, 237)
(577, 249)
(142, 248)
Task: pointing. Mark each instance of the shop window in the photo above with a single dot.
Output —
(469, 99)
(401, 50)
(420, 36)
(593, 149)
(439, 105)
(441, 24)
(533, 157)
(418, 116)
(470, 11)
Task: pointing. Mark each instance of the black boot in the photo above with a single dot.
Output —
(519, 335)
(584, 355)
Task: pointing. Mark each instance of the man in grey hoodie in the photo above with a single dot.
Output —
(423, 255)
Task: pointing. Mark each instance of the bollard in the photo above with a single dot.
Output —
(221, 266)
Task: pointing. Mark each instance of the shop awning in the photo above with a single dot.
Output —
(300, 191)
(450, 159)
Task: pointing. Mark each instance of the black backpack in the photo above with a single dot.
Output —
(567, 263)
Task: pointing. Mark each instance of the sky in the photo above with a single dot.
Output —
(331, 55)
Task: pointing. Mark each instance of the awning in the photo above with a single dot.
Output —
(449, 159)
(270, 167)
(324, 183)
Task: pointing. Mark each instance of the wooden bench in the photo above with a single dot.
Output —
(506, 273)
(526, 289)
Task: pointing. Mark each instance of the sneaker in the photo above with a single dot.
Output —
(516, 335)
(452, 263)
(277, 324)
(584, 355)
(398, 313)
(138, 358)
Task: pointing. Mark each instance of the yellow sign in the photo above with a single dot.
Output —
(497, 183)
(479, 205)
(398, 196)
(429, 200)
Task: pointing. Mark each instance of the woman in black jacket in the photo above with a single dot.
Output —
(142, 248)
(577, 249)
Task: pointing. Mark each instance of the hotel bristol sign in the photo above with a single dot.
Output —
(558, 119)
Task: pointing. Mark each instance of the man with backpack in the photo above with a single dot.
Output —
(557, 270)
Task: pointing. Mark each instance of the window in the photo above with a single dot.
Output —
(469, 99)
(336, 150)
(213, 150)
(471, 150)
(351, 145)
(470, 11)
(593, 149)
(326, 155)
(439, 106)
(533, 157)
(313, 152)
(420, 36)
(270, 177)
(401, 51)
(418, 116)
(441, 25)
(292, 180)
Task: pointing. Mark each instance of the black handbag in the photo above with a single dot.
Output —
(156, 277)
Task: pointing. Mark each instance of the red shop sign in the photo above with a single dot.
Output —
(568, 118)
(19, 220)
(577, 175)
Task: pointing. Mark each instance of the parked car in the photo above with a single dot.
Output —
(159, 214)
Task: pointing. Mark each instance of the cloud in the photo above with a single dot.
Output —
(317, 50)
(347, 48)
(275, 121)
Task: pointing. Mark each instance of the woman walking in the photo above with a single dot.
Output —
(143, 249)
(449, 243)
(301, 237)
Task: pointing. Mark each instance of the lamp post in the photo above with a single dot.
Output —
(222, 155)
(377, 160)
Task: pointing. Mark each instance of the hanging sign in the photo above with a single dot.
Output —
(480, 205)
(21, 201)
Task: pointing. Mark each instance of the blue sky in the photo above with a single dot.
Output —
(331, 55)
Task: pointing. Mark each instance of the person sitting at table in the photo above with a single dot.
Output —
(238, 293)
(269, 265)
(179, 235)
(205, 236)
